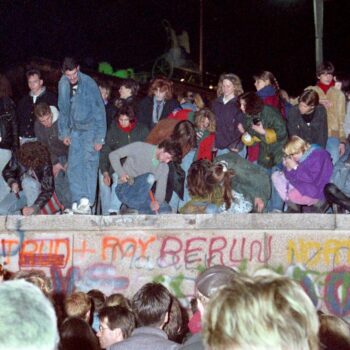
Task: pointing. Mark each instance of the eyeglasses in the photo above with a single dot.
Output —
(101, 329)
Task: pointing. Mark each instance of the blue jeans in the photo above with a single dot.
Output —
(137, 196)
(275, 202)
(109, 200)
(212, 209)
(5, 156)
(333, 148)
(12, 205)
(62, 186)
(242, 152)
(82, 166)
(185, 165)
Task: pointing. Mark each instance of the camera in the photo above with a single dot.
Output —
(256, 120)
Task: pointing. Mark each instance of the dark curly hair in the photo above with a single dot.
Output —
(173, 148)
(33, 155)
(126, 109)
(254, 104)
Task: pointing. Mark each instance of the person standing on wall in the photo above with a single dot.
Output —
(25, 109)
(82, 126)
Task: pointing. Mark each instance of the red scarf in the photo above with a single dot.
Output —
(129, 128)
(325, 87)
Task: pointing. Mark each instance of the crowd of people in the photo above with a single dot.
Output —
(230, 310)
(87, 152)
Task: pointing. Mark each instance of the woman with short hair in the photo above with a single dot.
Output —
(158, 104)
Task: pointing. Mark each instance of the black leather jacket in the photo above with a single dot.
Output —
(14, 171)
(8, 125)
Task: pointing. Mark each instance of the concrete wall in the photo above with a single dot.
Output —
(121, 253)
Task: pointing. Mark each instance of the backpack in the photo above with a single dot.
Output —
(341, 174)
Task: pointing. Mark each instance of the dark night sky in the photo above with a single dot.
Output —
(241, 36)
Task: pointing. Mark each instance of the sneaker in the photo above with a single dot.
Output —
(83, 207)
(68, 211)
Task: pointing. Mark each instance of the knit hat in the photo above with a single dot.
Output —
(214, 278)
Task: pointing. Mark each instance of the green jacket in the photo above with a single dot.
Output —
(249, 179)
(272, 142)
(198, 204)
(117, 138)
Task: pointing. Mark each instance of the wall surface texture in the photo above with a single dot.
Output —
(121, 253)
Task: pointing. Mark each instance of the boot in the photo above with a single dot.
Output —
(335, 195)
(293, 208)
(319, 207)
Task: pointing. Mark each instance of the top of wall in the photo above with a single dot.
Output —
(172, 221)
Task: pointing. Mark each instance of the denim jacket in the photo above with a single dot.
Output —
(84, 111)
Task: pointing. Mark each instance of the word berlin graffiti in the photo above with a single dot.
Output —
(122, 262)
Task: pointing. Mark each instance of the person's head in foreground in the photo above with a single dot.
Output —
(334, 332)
(27, 318)
(261, 313)
(152, 304)
(210, 281)
(116, 324)
(76, 333)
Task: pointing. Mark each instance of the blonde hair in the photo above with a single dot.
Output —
(198, 101)
(234, 79)
(78, 304)
(295, 145)
(261, 313)
(206, 113)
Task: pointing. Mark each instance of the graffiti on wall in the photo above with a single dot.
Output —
(123, 262)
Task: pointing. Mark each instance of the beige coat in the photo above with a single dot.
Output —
(335, 110)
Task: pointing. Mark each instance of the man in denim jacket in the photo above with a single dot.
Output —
(82, 126)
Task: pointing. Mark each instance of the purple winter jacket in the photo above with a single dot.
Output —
(228, 116)
(312, 174)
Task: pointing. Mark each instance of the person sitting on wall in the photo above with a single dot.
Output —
(30, 177)
(210, 187)
(264, 125)
(307, 170)
(145, 164)
(250, 180)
